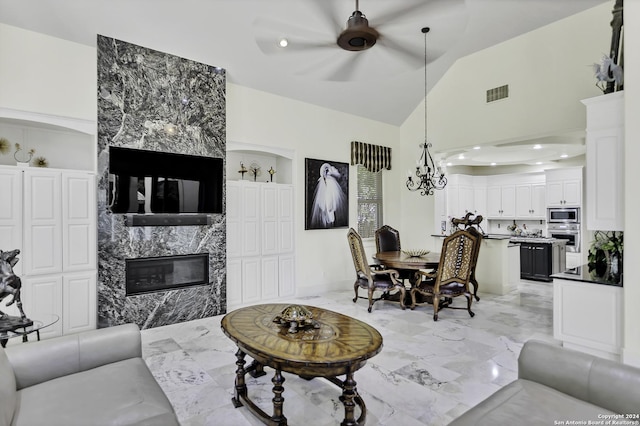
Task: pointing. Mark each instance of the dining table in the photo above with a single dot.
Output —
(402, 262)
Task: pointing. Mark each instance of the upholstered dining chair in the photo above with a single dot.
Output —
(453, 274)
(474, 259)
(387, 239)
(371, 280)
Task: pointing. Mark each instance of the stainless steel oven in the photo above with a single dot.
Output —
(563, 215)
(566, 231)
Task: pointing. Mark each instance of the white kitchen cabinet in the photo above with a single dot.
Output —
(501, 201)
(530, 201)
(260, 216)
(480, 199)
(54, 211)
(573, 260)
(605, 162)
(564, 187)
(588, 317)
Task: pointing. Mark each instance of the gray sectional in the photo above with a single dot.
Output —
(557, 384)
(92, 378)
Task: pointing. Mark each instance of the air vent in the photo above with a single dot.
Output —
(498, 93)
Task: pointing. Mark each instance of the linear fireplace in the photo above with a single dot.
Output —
(151, 274)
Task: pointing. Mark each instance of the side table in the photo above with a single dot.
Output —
(39, 323)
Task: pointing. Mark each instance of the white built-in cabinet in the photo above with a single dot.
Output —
(531, 200)
(501, 201)
(260, 237)
(605, 162)
(564, 187)
(50, 215)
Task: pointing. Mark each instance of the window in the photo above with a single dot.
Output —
(369, 202)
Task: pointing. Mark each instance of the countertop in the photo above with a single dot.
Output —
(582, 274)
(542, 240)
(485, 236)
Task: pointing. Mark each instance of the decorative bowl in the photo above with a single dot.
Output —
(415, 252)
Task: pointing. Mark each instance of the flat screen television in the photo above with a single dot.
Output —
(148, 182)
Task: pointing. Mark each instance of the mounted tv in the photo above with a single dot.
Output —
(153, 182)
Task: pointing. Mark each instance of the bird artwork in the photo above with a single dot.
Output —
(330, 204)
(607, 71)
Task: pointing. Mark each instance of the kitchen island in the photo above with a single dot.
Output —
(587, 311)
(540, 257)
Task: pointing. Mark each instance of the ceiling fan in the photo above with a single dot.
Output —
(322, 45)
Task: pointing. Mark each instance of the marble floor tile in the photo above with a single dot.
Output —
(427, 373)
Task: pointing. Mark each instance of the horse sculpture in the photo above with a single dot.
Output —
(10, 285)
(466, 221)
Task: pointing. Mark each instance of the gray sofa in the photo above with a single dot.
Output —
(92, 378)
(556, 384)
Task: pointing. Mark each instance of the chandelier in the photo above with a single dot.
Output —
(427, 176)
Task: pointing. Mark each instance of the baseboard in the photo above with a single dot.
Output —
(630, 357)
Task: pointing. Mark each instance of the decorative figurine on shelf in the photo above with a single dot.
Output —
(23, 159)
(10, 285)
(242, 171)
(271, 173)
(254, 168)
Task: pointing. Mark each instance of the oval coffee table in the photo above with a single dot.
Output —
(338, 345)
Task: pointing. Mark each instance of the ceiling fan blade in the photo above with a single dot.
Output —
(349, 66)
(413, 57)
(327, 13)
(269, 45)
(429, 9)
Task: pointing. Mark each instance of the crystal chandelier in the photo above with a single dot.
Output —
(427, 176)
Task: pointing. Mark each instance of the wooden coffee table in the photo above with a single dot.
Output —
(340, 345)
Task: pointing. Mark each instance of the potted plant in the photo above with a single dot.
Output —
(605, 253)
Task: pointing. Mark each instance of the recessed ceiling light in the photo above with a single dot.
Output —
(493, 164)
(461, 157)
(449, 164)
(537, 146)
(564, 156)
(283, 42)
(476, 147)
(538, 163)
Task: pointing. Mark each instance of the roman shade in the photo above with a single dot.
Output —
(373, 157)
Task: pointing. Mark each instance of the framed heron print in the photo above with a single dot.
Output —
(326, 194)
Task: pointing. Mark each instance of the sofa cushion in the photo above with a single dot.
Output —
(7, 390)
(527, 402)
(117, 394)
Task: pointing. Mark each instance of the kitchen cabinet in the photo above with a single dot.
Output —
(588, 317)
(531, 201)
(50, 215)
(501, 201)
(535, 261)
(260, 242)
(605, 162)
(564, 187)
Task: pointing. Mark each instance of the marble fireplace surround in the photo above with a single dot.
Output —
(155, 101)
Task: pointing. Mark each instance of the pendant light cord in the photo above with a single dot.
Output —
(425, 30)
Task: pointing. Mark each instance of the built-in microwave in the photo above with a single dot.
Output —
(563, 215)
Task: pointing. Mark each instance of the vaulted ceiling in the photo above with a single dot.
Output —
(383, 83)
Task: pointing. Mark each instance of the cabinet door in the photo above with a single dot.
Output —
(541, 261)
(453, 204)
(234, 220)
(42, 222)
(11, 213)
(269, 223)
(250, 220)
(234, 283)
(572, 192)
(538, 201)
(555, 194)
(41, 298)
(269, 278)
(508, 201)
(78, 222)
(523, 200)
(251, 280)
(466, 200)
(605, 179)
(78, 302)
(285, 216)
(479, 201)
(286, 276)
(494, 201)
(526, 261)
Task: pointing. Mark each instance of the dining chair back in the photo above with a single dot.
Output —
(453, 275)
(369, 279)
(387, 239)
